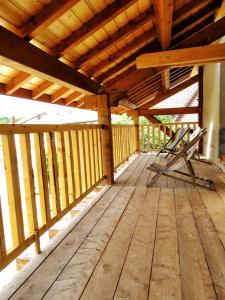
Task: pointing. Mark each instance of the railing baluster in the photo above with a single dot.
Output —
(53, 173)
(82, 160)
(70, 166)
(92, 158)
(13, 189)
(77, 163)
(28, 178)
(2, 235)
(61, 155)
(87, 158)
(99, 153)
(42, 177)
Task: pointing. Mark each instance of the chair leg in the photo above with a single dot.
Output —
(191, 170)
(154, 179)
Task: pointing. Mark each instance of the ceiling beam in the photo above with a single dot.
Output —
(16, 82)
(46, 16)
(165, 75)
(126, 104)
(165, 95)
(183, 57)
(91, 26)
(119, 35)
(163, 21)
(168, 111)
(19, 54)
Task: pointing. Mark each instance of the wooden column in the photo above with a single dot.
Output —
(136, 123)
(200, 104)
(104, 118)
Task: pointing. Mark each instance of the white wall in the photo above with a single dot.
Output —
(211, 110)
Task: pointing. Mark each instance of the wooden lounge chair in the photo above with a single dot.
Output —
(178, 161)
(171, 146)
(196, 155)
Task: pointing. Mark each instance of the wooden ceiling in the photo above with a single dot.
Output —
(66, 51)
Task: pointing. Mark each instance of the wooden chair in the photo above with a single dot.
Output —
(171, 146)
(182, 158)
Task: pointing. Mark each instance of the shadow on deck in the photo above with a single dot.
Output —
(164, 242)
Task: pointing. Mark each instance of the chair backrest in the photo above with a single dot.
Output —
(188, 150)
(178, 138)
(195, 133)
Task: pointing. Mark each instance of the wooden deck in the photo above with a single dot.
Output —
(164, 242)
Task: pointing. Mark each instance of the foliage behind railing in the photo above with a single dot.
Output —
(153, 136)
(45, 170)
(124, 144)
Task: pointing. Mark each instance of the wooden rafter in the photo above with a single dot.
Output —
(151, 47)
(47, 16)
(168, 111)
(205, 36)
(164, 16)
(59, 94)
(163, 96)
(119, 35)
(139, 42)
(41, 89)
(75, 96)
(41, 64)
(15, 83)
(182, 57)
(97, 22)
(190, 26)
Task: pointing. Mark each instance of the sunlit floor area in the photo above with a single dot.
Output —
(163, 242)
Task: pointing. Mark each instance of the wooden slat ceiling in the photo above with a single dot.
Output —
(101, 39)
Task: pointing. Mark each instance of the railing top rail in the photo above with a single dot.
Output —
(123, 125)
(38, 128)
(166, 124)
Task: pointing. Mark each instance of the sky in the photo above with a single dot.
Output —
(18, 107)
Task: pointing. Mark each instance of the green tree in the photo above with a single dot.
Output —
(4, 120)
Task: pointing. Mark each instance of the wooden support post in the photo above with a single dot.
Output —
(104, 118)
(136, 123)
(200, 105)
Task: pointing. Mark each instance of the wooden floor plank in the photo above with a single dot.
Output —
(144, 177)
(212, 245)
(216, 209)
(38, 284)
(165, 278)
(195, 277)
(135, 277)
(72, 280)
(103, 281)
(122, 179)
(133, 178)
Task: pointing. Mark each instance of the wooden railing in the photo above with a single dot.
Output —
(123, 143)
(45, 170)
(154, 136)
